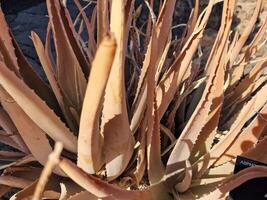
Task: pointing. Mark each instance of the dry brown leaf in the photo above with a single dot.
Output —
(25, 127)
(172, 79)
(6, 45)
(238, 71)
(90, 31)
(15, 182)
(74, 39)
(32, 80)
(36, 109)
(200, 117)
(11, 136)
(68, 65)
(24, 193)
(49, 71)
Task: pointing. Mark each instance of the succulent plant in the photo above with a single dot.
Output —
(132, 112)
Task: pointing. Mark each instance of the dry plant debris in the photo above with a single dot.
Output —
(170, 130)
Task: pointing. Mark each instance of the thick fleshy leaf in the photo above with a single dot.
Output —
(155, 166)
(217, 151)
(173, 77)
(74, 40)
(67, 63)
(238, 71)
(15, 61)
(141, 155)
(33, 80)
(26, 126)
(11, 134)
(49, 71)
(90, 148)
(217, 57)
(22, 161)
(98, 187)
(102, 20)
(15, 182)
(246, 84)
(36, 109)
(243, 38)
(200, 117)
(6, 46)
(25, 193)
(91, 49)
(118, 139)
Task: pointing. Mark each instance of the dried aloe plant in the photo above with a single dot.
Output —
(170, 130)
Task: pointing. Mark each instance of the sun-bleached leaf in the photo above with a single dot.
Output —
(7, 139)
(186, 182)
(218, 54)
(195, 85)
(245, 85)
(102, 20)
(91, 49)
(90, 148)
(162, 29)
(156, 168)
(217, 151)
(118, 139)
(225, 169)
